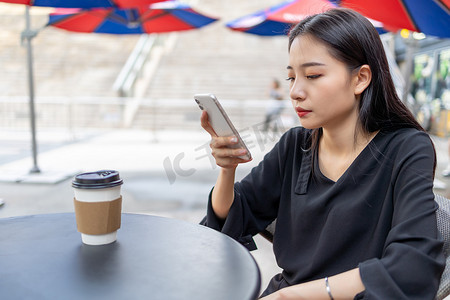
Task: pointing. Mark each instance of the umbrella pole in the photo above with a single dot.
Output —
(28, 35)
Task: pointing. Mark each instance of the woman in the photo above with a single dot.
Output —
(352, 189)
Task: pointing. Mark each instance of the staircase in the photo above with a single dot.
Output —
(235, 66)
(66, 64)
(70, 67)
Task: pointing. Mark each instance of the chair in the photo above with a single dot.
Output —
(443, 222)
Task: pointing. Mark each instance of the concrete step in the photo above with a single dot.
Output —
(64, 63)
(215, 59)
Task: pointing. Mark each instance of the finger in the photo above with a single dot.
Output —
(224, 153)
(229, 163)
(220, 142)
(206, 125)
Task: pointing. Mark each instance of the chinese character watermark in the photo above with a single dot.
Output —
(253, 136)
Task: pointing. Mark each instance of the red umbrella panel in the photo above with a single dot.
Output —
(157, 18)
(294, 11)
(84, 3)
(431, 17)
(278, 19)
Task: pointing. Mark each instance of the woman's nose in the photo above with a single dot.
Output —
(297, 91)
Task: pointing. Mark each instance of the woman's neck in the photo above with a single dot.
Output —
(338, 150)
(345, 142)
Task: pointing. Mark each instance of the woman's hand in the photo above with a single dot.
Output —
(225, 156)
(342, 286)
(299, 292)
(293, 293)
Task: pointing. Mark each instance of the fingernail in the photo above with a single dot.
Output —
(233, 140)
(242, 151)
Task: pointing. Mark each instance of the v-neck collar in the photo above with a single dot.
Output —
(305, 168)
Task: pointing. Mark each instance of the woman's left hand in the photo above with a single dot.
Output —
(343, 286)
(292, 292)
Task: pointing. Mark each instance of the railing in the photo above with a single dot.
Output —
(130, 72)
(110, 113)
(62, 112)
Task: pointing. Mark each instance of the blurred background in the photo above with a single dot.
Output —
(127, 99)
(125, 102)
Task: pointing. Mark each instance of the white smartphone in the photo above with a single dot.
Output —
(219, 120)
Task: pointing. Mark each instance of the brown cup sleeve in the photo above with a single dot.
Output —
(98, 217)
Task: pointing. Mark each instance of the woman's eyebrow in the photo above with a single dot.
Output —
(312, 64)
(308, 64)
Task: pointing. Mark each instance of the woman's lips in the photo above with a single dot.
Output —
(302, 112)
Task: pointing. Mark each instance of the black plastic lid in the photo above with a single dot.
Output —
(97, 180)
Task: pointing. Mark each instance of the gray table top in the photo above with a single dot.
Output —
(42, 257)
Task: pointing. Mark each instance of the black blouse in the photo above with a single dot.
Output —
(378, 216)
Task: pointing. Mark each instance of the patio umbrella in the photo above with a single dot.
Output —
(278, 19)
(157, 18)
(83, 3)
(431, 17)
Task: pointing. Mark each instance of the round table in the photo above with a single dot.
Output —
(42, 257)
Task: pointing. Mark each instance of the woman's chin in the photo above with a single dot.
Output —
(309, 125)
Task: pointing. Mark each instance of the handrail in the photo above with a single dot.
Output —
(130, 71)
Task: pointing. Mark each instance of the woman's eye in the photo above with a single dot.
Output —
(313, 76)
(290, 79)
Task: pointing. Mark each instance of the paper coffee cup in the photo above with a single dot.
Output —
(98, 206)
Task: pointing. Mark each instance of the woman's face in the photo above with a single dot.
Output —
(322, 89)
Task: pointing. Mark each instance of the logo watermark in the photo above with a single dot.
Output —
(255, 137)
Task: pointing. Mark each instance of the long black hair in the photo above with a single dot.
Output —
(353, 40)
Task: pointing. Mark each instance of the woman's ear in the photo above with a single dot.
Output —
(363, 78)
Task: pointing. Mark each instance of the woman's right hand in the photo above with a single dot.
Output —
(225, 156)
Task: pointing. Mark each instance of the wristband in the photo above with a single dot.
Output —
(327, 285)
